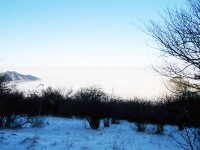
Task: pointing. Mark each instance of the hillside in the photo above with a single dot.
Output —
(14, 76)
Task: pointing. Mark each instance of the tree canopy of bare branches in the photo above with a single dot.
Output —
(178, 36)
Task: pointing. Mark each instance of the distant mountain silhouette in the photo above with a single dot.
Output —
(14, 76)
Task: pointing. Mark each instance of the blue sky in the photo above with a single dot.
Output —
(57, 32)
(40, 34)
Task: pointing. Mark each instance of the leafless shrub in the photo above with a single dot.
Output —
(115, 121)
(188, 139)
(159, 129)
(93, 122)
(37, 121)
(140, 127)
(106, 122)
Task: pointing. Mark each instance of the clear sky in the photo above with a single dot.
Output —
(38, 35)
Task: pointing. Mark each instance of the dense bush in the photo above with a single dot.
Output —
(94, 122)
(92, 101)
(106, 122)
(140, 127)
(159, 129)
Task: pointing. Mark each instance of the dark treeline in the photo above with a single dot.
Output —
(180, 109)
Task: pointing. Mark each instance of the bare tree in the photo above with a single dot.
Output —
(188, 139)
(178, 38)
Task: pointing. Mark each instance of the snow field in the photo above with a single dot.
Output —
(61, 134)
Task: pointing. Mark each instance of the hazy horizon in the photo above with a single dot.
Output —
(117, 81)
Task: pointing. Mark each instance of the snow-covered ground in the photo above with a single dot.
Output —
(62, 134)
